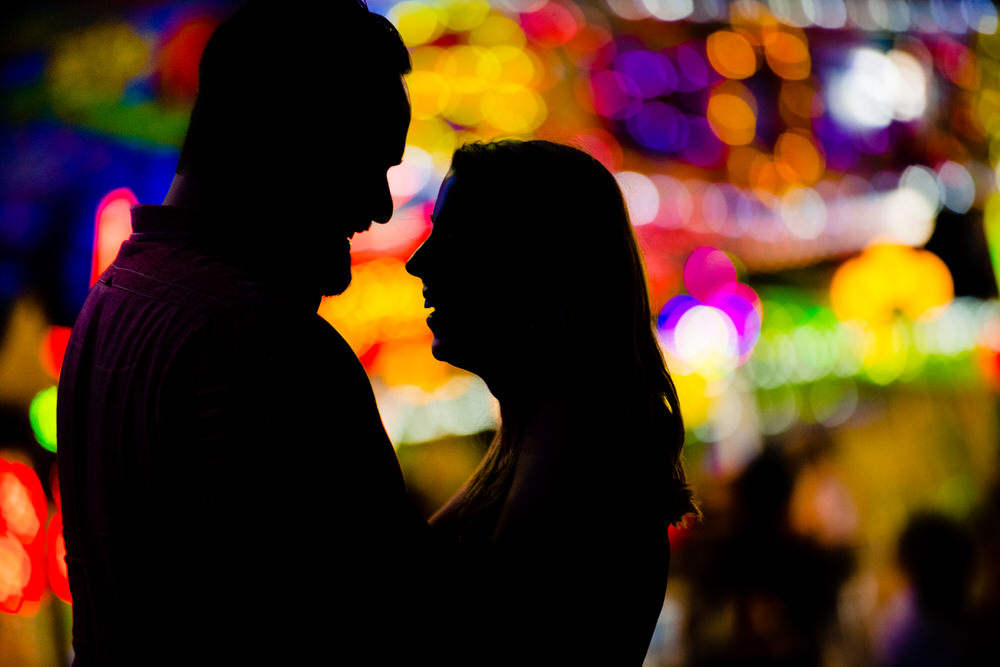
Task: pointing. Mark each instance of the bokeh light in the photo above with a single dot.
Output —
(877, 88)
(839, 157)
(42, 414)
(715, 326)
(417, 22)
(886, 279)
(641, 196)
(732, 113)
(731, 54)
(787, 54)
(552, 24)
(23, 509)
(178, 57)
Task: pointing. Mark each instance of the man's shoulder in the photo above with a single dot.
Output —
(204, 300)
(186, 272)
(281, 323)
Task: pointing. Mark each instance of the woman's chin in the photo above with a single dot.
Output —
(445, 349)
(439, 349)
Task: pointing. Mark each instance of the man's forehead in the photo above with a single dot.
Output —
(377, 126)
(389, 105)
(386, 97)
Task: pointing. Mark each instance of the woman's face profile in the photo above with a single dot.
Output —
(468, 270)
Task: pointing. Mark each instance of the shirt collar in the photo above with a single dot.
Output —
(152, 221)
(160, 222)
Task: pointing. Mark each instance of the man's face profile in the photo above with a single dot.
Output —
(368, 147)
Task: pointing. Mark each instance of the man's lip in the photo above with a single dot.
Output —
(359, 230)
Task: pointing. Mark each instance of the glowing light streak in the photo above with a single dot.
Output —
(112, 227)
(811, 348)
(805, 224)
(22, 541)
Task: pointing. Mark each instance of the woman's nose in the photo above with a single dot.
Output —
(415, 265)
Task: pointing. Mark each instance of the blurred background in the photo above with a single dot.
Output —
(814, 186)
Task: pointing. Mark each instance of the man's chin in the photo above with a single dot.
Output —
(330, 269)
(337, 285)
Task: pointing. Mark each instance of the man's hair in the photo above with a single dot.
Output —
(275, 71)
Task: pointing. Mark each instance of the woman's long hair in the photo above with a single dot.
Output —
(576, 252)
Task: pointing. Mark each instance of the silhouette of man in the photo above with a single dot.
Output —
(228, 489)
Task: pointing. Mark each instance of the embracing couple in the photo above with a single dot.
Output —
(229, 492)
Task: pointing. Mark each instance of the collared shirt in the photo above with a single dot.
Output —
(227, 486)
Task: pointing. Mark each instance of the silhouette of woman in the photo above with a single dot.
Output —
(559, 538)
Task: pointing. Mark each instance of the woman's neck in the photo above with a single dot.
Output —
(542, 423)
